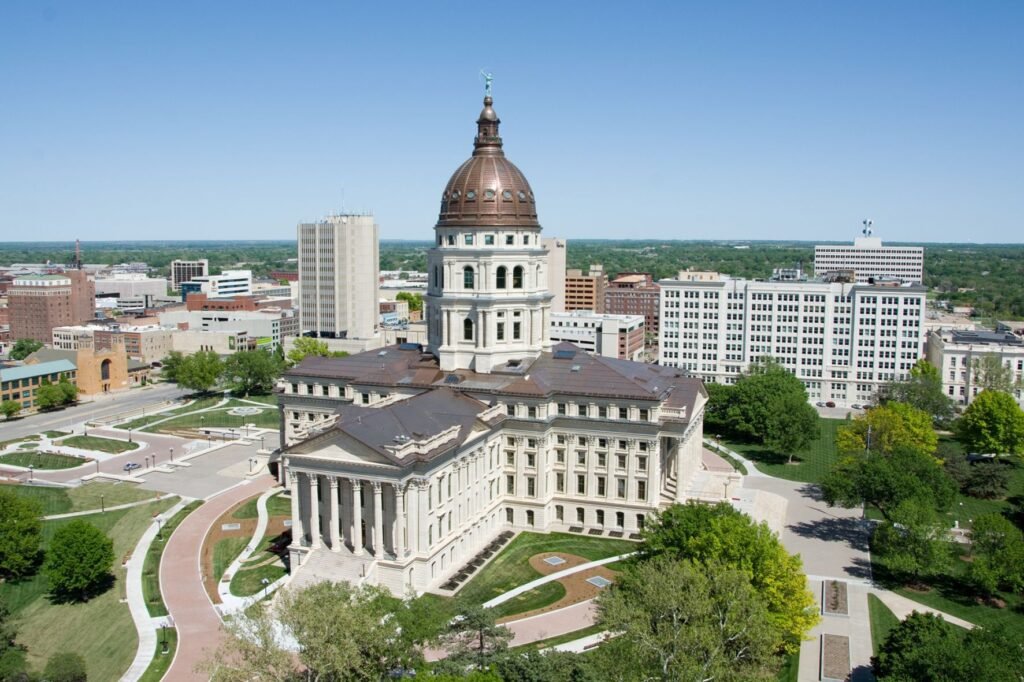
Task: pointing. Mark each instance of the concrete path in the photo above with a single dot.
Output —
(578, 646)
(144, 623)
(197, 621)
(87, 512)
(552, 623)
(502, 598)
(856, 626)
(229, 602)
(903, 607)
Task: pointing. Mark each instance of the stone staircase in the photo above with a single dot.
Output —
(323, 564)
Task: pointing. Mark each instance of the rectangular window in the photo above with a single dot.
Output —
(531, 460)
(510, 484)
(531, 412)
(501, 331)
(602, 411)
(620, 462)
(581, 484)
(601, 491)
(559, 512)
(489, 240)
(579, 514)
(641, 490)
(623, 445)
(517, 330)
(560, 456)
(620, 488)
(469, 239)
(581, 457)
(510, 239)
(641, 463)
(643, 446)
(620, 519)
(510, 458)
(562, 408)
(602, 459)
(644, 414)
(531, 486)
(509, 515)
(600, 517)
(623, 413)
(529, 517)
(560, 482)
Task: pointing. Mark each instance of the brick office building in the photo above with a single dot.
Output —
(38, 303)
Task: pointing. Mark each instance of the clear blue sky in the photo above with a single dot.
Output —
(760, 120)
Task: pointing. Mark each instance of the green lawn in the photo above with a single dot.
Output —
(220, 418)
(5, 443)
(145, 420)
(247, 582)
(42, 460)
(57, 500)
(953, 594)
(56, 434)
(882, 621)
(537, 598)
(161, 661)
(809, 466)
(511, 567)
(99, 444)
(224, 552)
(46, 628)
(277, 505)
(151, 566)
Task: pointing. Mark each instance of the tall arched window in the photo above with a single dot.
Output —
(467, 277)
(467, 329)
(437, 278)
(502, 277)
(517, 277)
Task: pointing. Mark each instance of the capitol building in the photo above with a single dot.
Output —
(404, 463)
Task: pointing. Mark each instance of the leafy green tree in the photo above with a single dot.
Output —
(200, 371)
(421, 621)
(680, 620)
(891, 426)
(68, 391)
(48, 395)
(921, 390)
(10, 408)
(885, 482)
(414, 300)
(992, 423)
(914, 543)
(791, 425)
(12, 656)
(20, 534)
(998, 549)
(306, 345)
(720, 533)
(171, 364)
(924, 647)
(547, 666)
(65, 667)
(78, 561)
(251, 650)
(474, 637)
(755, 394)
(991, 374)
(252, 371)
(23, 348)
(716, 411)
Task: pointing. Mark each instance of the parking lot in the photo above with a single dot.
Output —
(211, 473)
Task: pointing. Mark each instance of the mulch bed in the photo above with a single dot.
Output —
(246, 529)
(834, 598)
(835, 657)
(577, 588)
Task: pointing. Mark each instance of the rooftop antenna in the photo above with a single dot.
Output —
(77, 262)
(868, 223)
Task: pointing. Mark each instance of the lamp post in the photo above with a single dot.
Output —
(266, 582)
(171, 451)
(160, 528)
(103, 507)
(202, 421)
(97, 466)
(263, 445)
(250, 464)
(163, 637)
(129, 434)
(31, 472)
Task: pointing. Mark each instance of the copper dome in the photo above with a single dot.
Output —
(488, 190)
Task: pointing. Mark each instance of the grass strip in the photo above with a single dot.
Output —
(151, 566)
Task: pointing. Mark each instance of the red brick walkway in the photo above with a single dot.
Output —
(198, 624)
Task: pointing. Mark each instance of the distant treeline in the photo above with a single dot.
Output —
(992, 276)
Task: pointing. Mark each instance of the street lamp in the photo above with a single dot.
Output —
(251, 460)
(31, 472)
(97, 466)
(129, 434)
(202, 421)
(262, 444)
(159, 528)
(266, 582)
(163, 637)
(171, 450)
(103, 507)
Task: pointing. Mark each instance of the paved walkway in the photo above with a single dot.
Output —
(502, 598)
(193, 614)
(229, 602)
(145, 624)
(552, 623)
(902, 607)
(87, 512)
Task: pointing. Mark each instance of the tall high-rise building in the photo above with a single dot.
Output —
(870, 260)
(585, 291)
(339, 270)
(38, 303)
(187, 270)
(556, 272)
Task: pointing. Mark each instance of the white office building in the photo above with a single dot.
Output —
(842, 340)
(339, 268)
(958, 352)
(870, 260)
(131, 285)
(187, 270)
(556, 272)
(225, 285)
(613, 336)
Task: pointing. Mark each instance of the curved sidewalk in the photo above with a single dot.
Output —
(194, 615)
(504, 597)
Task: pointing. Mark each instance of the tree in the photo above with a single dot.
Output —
(48, 395)
(252, 371)
(791, 425)
(885, 482)
(680, 620)
(924, 647)
(20, 534)
(891, 426)
(306, 345)
(171, 364)
(78, 561)
(992, 423)
(754, 395)
(23, 348)
(998, 549)
(474, 637)
(68, 391)
(720, 533)
(921, 390)
(716, 410)
(200, 371)
(10, 408)
(414, 300)
(12, 656)
(547, 666)
(66, 667)
(914, 543)
(991, 374)
(251, 651)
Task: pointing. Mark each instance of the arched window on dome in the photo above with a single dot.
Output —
(517, 277)
(467, 329)
(468, 277)
(502, 277)
(437, 276)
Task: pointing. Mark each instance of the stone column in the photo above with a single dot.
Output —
(297, 526)
(357, 516)
(399, 527)
(314, 511)
(680, 453)
(378, 521)
(335, 512)
(422, 516)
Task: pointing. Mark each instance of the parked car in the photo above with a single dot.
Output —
(820, 403)
(830, 404)
(857, 406)
(131, 466)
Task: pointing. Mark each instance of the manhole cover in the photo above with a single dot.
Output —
(554, 561)
(244, 411)
(231, 526)
(598, 581)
